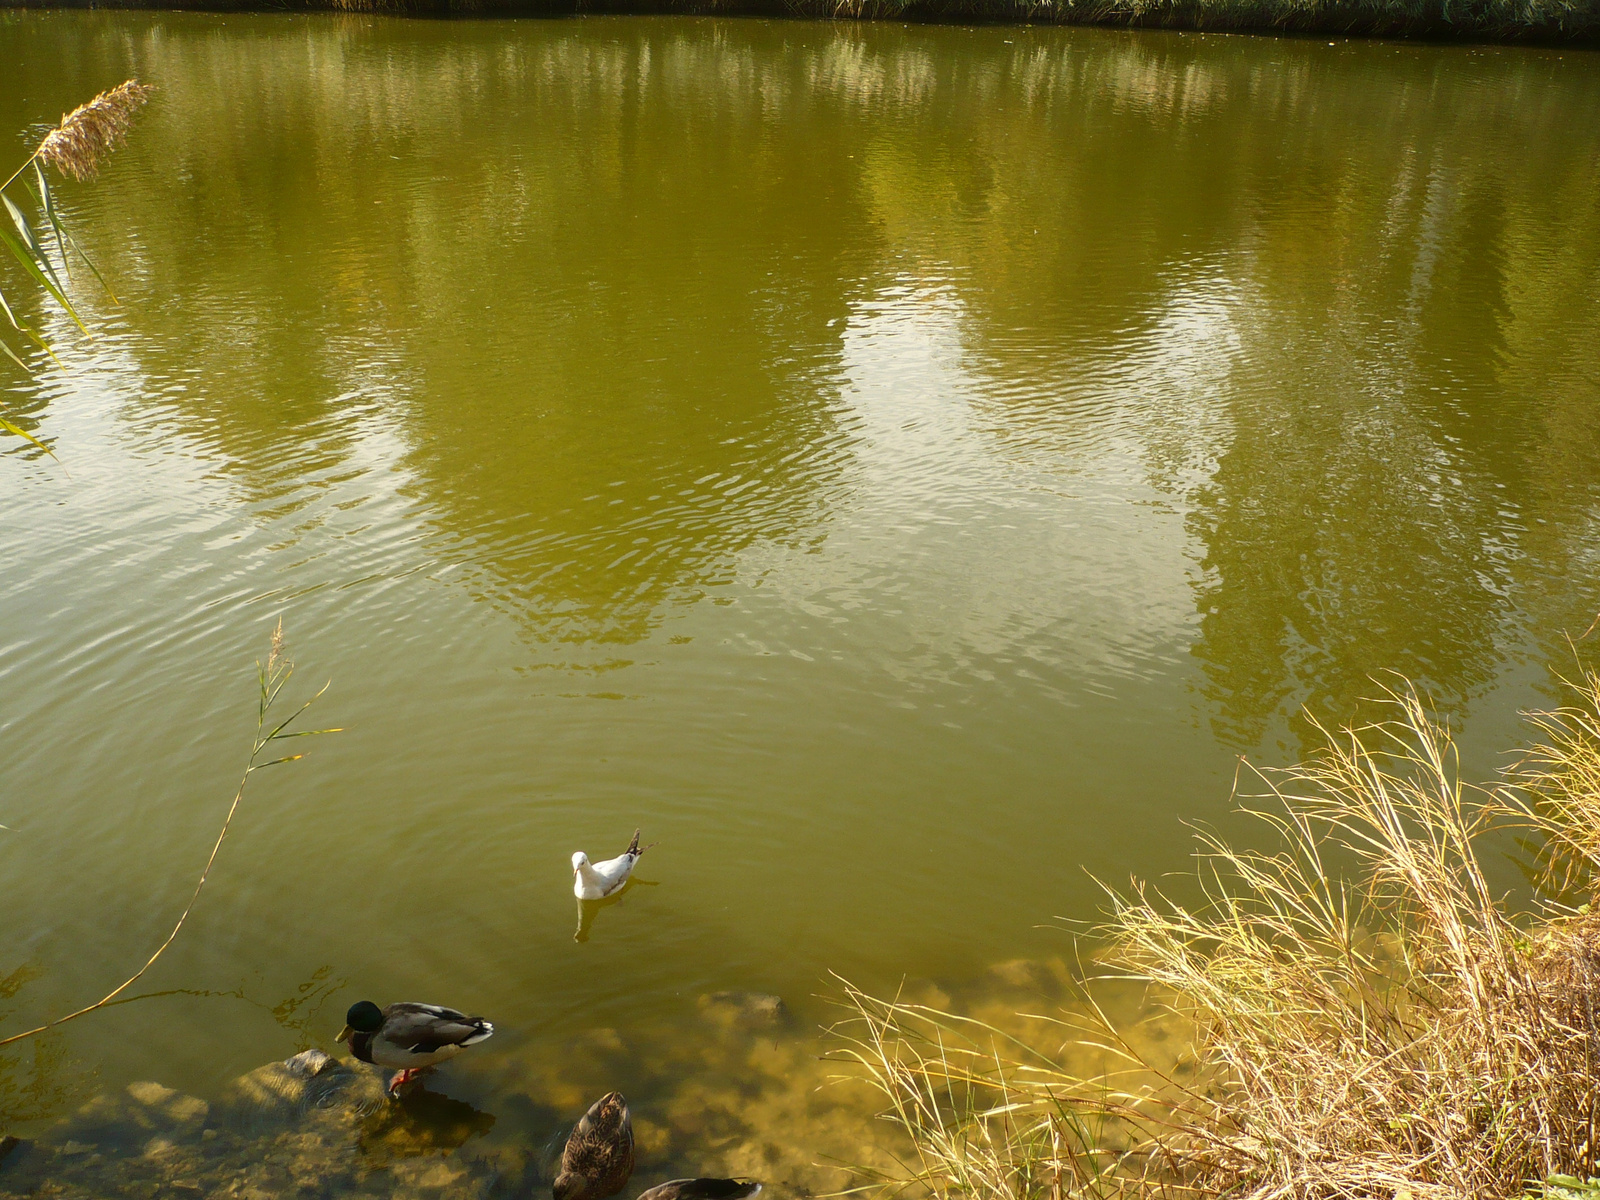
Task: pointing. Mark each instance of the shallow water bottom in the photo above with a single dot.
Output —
(744, 1089)
(746, 1093)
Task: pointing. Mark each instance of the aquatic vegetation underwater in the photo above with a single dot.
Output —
(1360, 1013)
(735, 1087)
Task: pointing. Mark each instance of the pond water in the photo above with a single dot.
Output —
(900, 469)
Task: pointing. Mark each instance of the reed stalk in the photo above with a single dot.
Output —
(271, 678)
(75, 147)
(1365, 1014)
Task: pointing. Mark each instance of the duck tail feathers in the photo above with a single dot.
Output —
(484, 1033)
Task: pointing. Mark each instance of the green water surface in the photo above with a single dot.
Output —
(899, 468)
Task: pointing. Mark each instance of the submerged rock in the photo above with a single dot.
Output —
(746, 1009)
(151, 1093)
(311, 1080)
(308, 1064)
(1047, 976)
(167, 1106)
(309, 1126)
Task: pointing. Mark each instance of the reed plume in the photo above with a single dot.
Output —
(91, 131)
(75, 147)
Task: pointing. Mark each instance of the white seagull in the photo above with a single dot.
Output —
(596, 881)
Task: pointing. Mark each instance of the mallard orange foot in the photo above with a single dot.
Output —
(401, 1078)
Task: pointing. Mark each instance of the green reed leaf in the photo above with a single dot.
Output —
(31, 240)
(20, 252)
(27, 331)
(47, 202)
(12, 355)
(23, 433)
(274, 762)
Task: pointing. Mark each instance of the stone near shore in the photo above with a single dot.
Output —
(747, 1010)
(308, 1064)
(311, 1125)
(311, 1079)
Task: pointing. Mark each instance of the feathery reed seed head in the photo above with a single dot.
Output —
(277, 647)
(93, 130)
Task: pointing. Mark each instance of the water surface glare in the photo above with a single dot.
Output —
(899, 468)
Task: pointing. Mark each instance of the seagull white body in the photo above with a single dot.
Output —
(596, 881)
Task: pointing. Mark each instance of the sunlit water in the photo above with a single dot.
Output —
(900, 469)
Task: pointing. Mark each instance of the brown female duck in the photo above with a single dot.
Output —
(599, 1156)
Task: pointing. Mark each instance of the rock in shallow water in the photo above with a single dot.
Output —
(151, 1093)
(310, 1126)
(309, 1080)
(308, 1064)
(164, 1107)
(746, 1009)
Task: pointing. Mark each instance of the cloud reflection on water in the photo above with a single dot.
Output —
(594, 278)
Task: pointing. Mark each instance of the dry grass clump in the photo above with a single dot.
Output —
(92, 130)
(996, 1109)
(1562, 774)
(1368, 1017)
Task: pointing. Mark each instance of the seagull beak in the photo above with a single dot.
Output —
(347, 1034)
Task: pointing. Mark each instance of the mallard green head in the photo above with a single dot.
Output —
(364, 1017)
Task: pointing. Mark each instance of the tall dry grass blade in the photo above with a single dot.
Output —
(1561, 777)
(996, 1113)
(1370, 1019)
(1400, 1035)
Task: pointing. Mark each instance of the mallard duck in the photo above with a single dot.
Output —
(599, 1154)
(702, 1189)
(596, 881)
(410, 1036)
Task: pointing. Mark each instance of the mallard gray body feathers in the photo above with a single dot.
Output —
(702, 1189)
(410, 1036)
(599, 1156)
